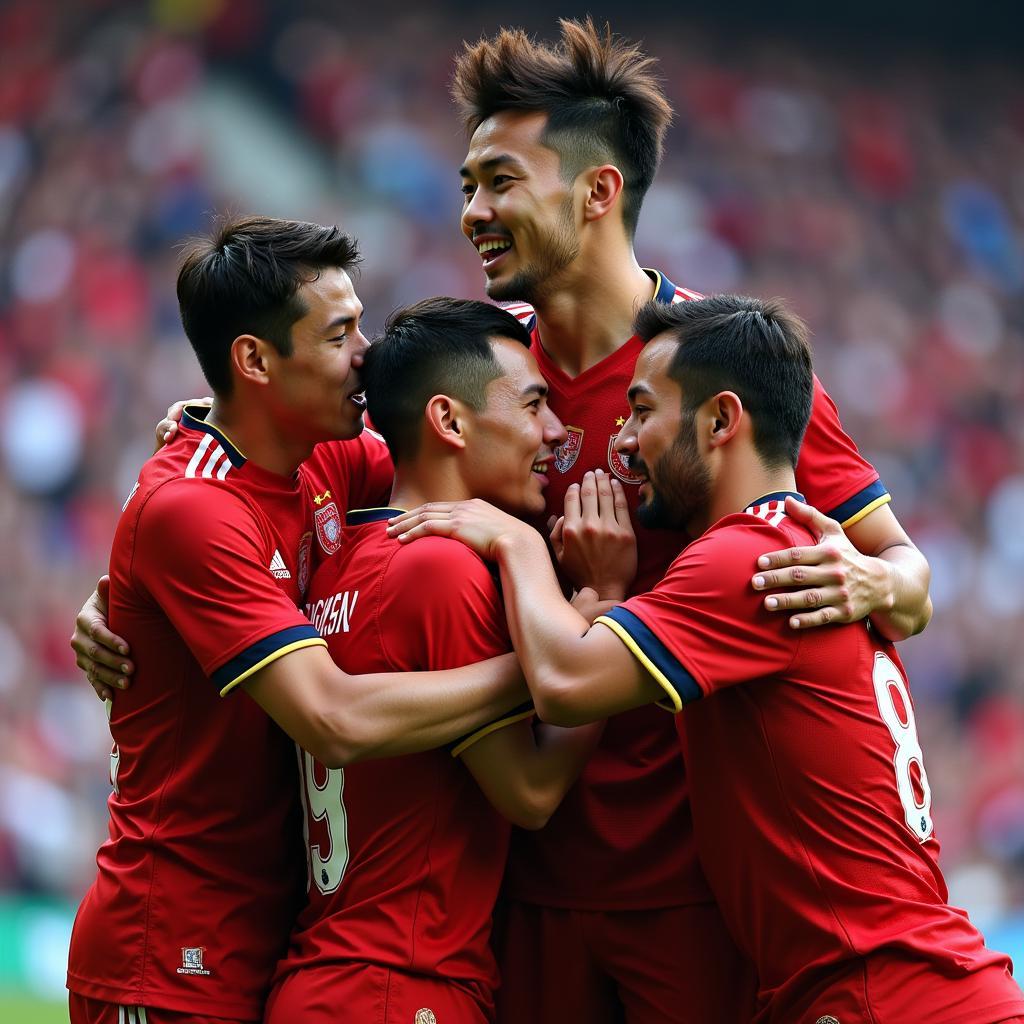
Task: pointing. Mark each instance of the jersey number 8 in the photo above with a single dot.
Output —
(898, 714)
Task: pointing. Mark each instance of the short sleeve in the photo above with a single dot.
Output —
(202, 556)
(443, 610)
(831, 473)
(704, 627)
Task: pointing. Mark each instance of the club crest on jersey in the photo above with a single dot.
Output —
(425, 1016)
(566, 454)
(618, 465)
(305, 558)
(328, 527)
(192, 960)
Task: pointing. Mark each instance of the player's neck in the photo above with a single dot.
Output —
(258, 437)
(592, 316)
(743, 479)
(421, 481)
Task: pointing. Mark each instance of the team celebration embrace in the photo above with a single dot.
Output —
(536, 662)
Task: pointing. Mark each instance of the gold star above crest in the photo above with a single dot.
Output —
(620, 421)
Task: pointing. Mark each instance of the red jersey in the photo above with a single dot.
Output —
(197, 888)
(810, 798)
(405, 853)
(623, 838)
(356, 474)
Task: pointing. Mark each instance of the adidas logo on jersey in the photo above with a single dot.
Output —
(278, 568)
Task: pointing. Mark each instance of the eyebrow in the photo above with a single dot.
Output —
(341, 321)
(491, 162)
(535, 389)
(638, 389)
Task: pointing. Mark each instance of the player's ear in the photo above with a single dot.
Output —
(250, 358)
(724, 413)
(604, 186)
(444, 418)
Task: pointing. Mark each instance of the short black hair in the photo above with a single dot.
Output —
(753, 347)
(603, 98)
(437, 346)
(244, 279)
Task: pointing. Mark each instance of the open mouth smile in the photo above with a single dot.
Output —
(492, 248)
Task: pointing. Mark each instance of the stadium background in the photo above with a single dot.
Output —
(868, 167)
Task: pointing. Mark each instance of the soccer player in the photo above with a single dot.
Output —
(811, 804)
(406, 854)
(198, 883)
(609, 912)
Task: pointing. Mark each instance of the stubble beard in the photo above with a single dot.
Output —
(536, 283)
(683, 493)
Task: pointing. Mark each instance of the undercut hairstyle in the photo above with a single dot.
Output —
(602, 96)
(753, 347)
(244, 279)
(439, 346)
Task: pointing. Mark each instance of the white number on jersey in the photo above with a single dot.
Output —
(908, 759)
(115, 752)
(324, 803)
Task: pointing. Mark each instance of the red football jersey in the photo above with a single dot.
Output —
(357, 473)
(405, 853)
(623, 838)
(810, 799)
(199, 882)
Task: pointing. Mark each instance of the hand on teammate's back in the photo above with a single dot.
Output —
(831, 581)
(594, 540)
(100, 654)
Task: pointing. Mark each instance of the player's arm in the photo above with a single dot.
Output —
(576, 673)
(870, 569)
(525, 768)
(340, 718)
(201, 556)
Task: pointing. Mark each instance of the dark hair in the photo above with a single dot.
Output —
(604, 102)
(753, 347)
(244, 279)
(437, 346)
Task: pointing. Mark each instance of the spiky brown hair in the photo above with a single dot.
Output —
(602, 95)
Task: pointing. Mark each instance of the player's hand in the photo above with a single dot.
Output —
(594, 541)
(833, 581)
(100, 654)
(168, 426)
(476, 523)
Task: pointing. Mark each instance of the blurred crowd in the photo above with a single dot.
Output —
(884, 200)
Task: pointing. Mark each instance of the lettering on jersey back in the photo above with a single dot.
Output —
(333, 614)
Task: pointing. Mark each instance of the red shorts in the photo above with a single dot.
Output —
(638, 966)
(82, 1010)
(370, 994)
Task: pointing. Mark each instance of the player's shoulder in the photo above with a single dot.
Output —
(180, 502)
(438, 562)
(356, 451)
(739, 538)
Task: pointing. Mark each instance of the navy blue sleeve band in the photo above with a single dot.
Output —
(863, 502)
(244, 663)
(655, 656)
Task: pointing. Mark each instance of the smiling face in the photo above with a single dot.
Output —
(510, 442)
(660, 439)
(518, 211)
(316, 389)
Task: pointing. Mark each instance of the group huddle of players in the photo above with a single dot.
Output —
(767, 854)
